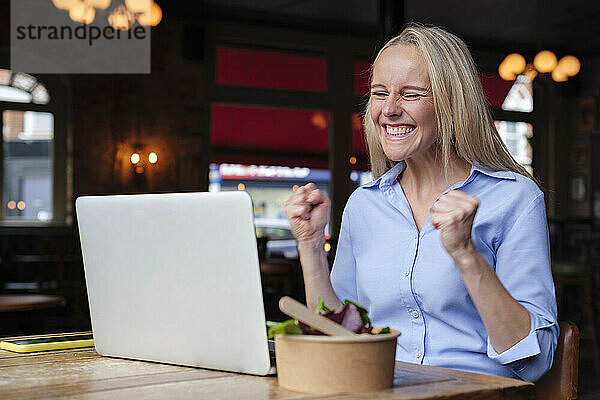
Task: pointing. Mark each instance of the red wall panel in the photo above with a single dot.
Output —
(268, 69)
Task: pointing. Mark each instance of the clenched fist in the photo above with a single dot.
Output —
(307, 210)
(453, 215)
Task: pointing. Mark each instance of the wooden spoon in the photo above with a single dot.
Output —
(297, 310)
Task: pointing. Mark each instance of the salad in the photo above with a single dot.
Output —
(352, 316)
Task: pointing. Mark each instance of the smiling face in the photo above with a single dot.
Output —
(402, 104)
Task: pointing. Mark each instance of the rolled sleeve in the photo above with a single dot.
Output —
(530, 347)
(523, 267)
(343, 273)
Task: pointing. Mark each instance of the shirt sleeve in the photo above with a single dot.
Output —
(523, 267)
(343, 273)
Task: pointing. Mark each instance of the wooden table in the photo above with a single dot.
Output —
(83, 374)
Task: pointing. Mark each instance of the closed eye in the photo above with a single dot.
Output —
(379, 94)
(412, 96)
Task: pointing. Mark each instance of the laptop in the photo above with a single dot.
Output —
(175, 278)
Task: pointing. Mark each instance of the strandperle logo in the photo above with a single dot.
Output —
(82, 32)
(44, 39)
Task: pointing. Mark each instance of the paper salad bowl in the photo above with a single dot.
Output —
(336, 364)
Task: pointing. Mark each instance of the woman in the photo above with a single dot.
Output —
(449, 244)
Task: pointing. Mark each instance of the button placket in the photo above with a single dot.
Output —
(414, 313)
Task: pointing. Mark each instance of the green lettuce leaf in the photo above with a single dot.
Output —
(289, 327)
(322, 306)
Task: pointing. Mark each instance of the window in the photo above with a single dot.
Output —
(516, 136)
(27, 146)
(514, 129)
(263, 149)
(22, 88)
(275, 101)
(28, 149)
(258, 132)
(275, 137)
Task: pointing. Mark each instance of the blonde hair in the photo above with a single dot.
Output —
(464, 122)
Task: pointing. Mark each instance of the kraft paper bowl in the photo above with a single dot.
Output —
(336, 364)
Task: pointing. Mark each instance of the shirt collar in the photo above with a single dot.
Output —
(391, 175)
(502, 174)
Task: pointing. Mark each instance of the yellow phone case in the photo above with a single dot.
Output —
(10, 345)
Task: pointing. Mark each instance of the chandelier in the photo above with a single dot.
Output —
(121, 17)
(544, 62)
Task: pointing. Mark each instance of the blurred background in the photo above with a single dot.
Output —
(267, 96)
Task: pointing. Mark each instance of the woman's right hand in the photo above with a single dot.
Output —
(307, 209)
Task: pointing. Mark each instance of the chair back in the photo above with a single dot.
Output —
(560, 382)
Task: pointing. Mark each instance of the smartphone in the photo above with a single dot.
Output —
(57, 341)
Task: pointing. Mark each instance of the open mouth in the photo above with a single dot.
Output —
(400, 130)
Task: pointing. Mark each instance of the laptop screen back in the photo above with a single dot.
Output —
(175, 278)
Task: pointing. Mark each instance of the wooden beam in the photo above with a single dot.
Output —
(340, 79)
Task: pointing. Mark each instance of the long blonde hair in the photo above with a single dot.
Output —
(464, 122)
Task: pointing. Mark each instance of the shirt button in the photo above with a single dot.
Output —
(406, 273)
(418, 354)
(415, 314)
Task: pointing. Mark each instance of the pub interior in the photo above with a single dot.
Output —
(264, 96)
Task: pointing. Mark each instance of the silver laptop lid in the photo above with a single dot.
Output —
(175, 278)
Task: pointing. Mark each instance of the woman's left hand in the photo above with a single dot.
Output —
(453, 215)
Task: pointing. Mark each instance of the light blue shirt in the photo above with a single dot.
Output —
(407, 280)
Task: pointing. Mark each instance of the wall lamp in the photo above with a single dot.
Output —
(136, 159)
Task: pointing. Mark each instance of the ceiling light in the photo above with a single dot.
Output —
(121, 18)
(65, 4)
(152, 17)
(559, 76)
(570, 65)
(138, 6)
(504, 72)
(545, 61)
(83, 13)
(515, 63)
(99, 4)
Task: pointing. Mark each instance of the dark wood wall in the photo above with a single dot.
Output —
(576, 142)
(116, 115)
